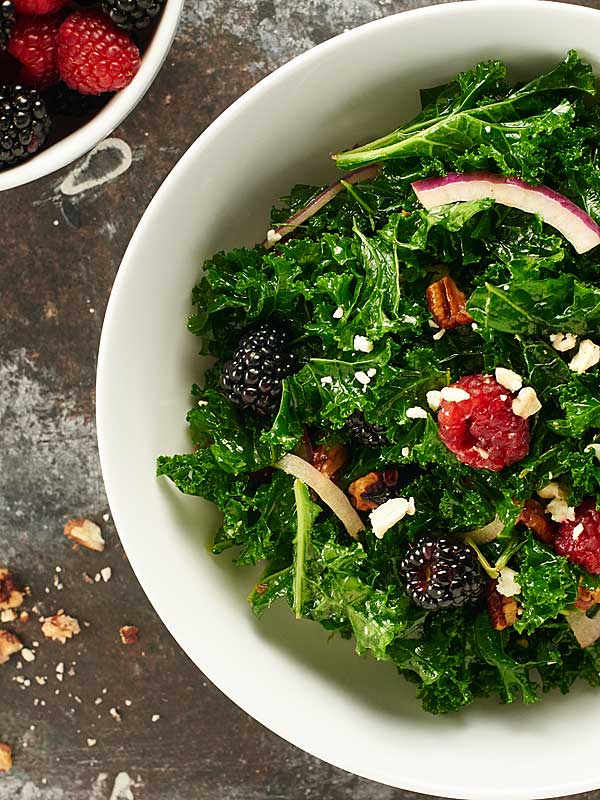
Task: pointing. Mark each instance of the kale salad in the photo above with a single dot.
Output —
(402, 420)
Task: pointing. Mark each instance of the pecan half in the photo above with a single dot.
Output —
(503, 611)
(60, 627)
(447, 304)
(586, 598)
(373, 489)
(86, 533)
(534, 518)
(10, 596)
(329, 460)
(130, 634)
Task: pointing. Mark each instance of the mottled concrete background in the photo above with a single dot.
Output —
(58, 257)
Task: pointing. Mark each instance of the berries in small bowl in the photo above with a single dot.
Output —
(89, 68)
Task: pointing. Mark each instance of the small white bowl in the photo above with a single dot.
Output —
(82, 140)
(352, 712)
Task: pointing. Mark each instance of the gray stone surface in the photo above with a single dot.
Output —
(59, 256)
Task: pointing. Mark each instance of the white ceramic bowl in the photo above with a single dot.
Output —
(78, 143)
(350, 711)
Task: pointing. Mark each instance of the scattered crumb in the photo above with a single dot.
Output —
(97, 701)
(60, 627)
(86, 533)
(24, 616)
(41, 680)
(91, 742)
(87, 578)
(5, 757)
(128, 703)
(97, 577)
(105, 517)
(27, 654)
(114, 714)
(155, 717)
(130, 634)
(106, 574)
(9, 644)
(57, 584)
(8, 615)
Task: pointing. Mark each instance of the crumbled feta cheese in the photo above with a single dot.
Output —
(452, 394)
(362, 344)
(474, 326)
(526, 403)
(387, 515)
(437, 336)
(416, 412)
(362, 377)
(503, 397)
(371, 372)
(326, 380)
(594, 447)
(586, 357)
(560, 510)
(409, 319)
(509, 379)
(338, 313)
(200, 403)
(273, 236)
(433, 324)
(405, 452)
(553, 491)
(507, 584)
(563, 341)
(577, 531)
(434, 399)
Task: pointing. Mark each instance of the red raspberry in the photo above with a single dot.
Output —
(482, 431)
(34, 44)
(38, 6)
(94, 56)
(579, 540)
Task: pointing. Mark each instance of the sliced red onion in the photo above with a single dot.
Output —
(316, 204)
(586, 630)
(555, 209)
(329, 493)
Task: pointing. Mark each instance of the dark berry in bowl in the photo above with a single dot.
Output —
(24, 124)
(252, 379)
(482, 430)
(442, 574)
(132, 14)
(7, 23)
(365, 432)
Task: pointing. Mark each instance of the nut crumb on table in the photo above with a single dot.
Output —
(86, 533)
(10, 596)
(9, 644)
(60, 627)
(5, 757)
(130, 634)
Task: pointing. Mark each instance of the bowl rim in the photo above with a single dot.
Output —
(122, 103)
(427, 786)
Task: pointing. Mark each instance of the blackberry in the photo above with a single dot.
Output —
(365, 432)
(7, 22)
(24, 124)
(65, 102)
(132, 14)
(442, 574)
(252, 378)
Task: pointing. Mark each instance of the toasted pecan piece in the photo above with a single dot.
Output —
(586, 598)
(534, 518)
(373, 489)
(5, 757)
(503, 610)
(130, 634)
(10, 595)
(60, 627)
(9, 644)
(329, 460)
(86, 533)
(447, 304)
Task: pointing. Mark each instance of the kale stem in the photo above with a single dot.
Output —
(493, 572)
(512, 547)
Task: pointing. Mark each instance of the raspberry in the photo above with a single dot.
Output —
(94, 56)
(579, 540)
(35, 7)
(34, 44)
(482, 431)
(442, 574)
